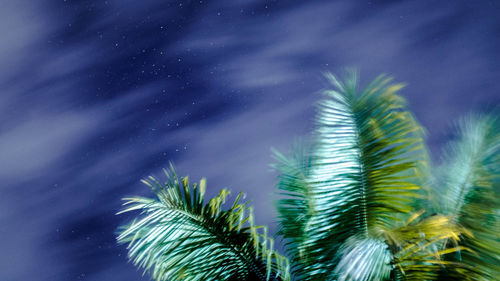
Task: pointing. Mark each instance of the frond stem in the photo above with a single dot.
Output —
(362, 170)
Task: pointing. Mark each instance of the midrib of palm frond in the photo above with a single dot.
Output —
(364, 176)
(466, 184)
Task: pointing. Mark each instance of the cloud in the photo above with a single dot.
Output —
(34, 147)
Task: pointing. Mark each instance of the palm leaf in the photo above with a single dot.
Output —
(363, 167)
(295, 206)
(361, 175)
(179, 237)
(471, 181)
(417, 246)
(363, 258)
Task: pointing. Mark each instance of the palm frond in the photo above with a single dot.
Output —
(363, 259)
(471, 181)
(294, 207)
(362, 169)
(417, 246)
(179, 237)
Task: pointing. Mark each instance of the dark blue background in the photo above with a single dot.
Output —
(97, 94)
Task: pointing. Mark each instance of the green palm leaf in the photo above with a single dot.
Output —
(363, 167)
(295, 207)
(179, 237)
(471, 181)
(360, 176)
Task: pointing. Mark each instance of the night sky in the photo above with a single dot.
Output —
(96, 95)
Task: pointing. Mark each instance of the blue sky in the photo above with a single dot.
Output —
(98, 94)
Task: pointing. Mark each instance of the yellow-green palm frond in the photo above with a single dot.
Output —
(179, 237)
(470, 185)
(420, 244)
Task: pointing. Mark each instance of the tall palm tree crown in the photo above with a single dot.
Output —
(360, 202)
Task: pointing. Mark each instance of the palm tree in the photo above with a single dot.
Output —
(351, 208)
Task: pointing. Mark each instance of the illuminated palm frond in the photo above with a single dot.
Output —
(179, 237)
(471, 181)
(362, 168)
